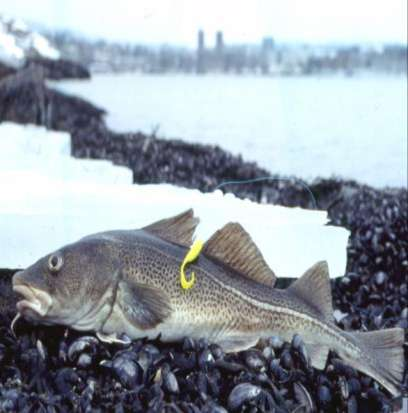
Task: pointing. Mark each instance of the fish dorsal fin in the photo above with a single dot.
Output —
(232, 245)
(314, 289)
(178, 229)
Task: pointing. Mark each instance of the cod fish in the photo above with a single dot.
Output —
(128, 282)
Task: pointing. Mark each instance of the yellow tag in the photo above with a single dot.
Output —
(192, 254)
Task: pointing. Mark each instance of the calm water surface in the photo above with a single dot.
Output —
(308, 126)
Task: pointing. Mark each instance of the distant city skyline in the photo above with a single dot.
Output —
(177, 21)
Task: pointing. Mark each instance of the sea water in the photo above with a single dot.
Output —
(350, 127)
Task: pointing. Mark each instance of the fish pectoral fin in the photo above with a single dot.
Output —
(318, 355)
(111, 338)
(313, 288)
(237, 343)
(232, 245)
(142, 305)
(178, 229)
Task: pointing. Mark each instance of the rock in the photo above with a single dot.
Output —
(6, 70)
(58, 69)
(24, 98)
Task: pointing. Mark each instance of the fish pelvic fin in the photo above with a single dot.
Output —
(313, 288)
(233, 246)
(178, 229)
(385, 349)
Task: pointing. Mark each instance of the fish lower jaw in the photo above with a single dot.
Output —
(25, 306)
(35, 302)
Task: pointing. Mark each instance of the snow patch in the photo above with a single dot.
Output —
(17, 42)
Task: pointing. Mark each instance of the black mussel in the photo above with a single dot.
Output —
(189, 344)
(213, 381)
(266, 403)
(286, 360)
(354, 386)
(9, 400)
(202, 385)
(202, 344)
(170, 383)
(324, 396)
(185, 361)
(212, 407)
(344, 389)
(229, 366)
(380, 277)
(205, 359)
(303, 397)
(352, 406)
(275, 342)
(254, 359)
(127, 371)
(3, 352)
(65, 379)
(268, 353)
(280, 374)
(241, 394)
(84, 360)
(144, 359)
(216, 351)
(82, 344)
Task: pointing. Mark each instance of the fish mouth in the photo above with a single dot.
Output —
(36, 302)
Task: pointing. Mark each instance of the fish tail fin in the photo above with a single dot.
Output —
(386, 356)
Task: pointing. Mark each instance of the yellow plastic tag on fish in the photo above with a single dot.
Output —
(192, 255)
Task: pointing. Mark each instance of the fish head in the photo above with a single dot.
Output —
(63, 286)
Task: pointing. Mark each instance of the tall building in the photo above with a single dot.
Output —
(201, 52)
(267, 54)
(219, 42)
(268, 44)
(219, 51)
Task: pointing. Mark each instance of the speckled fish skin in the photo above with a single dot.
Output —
(129, 282)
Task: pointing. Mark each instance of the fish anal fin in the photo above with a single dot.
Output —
(142, 305)
(318, 355)
(237, 343)
(233, 246)
(313, 288)
(178, 229)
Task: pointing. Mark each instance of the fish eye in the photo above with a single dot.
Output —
(55, 262)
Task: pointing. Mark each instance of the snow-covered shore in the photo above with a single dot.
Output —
(17, 42)
(49, 199)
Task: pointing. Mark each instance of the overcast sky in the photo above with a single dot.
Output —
(177, 21)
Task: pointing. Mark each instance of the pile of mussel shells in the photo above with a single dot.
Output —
(50, 369)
